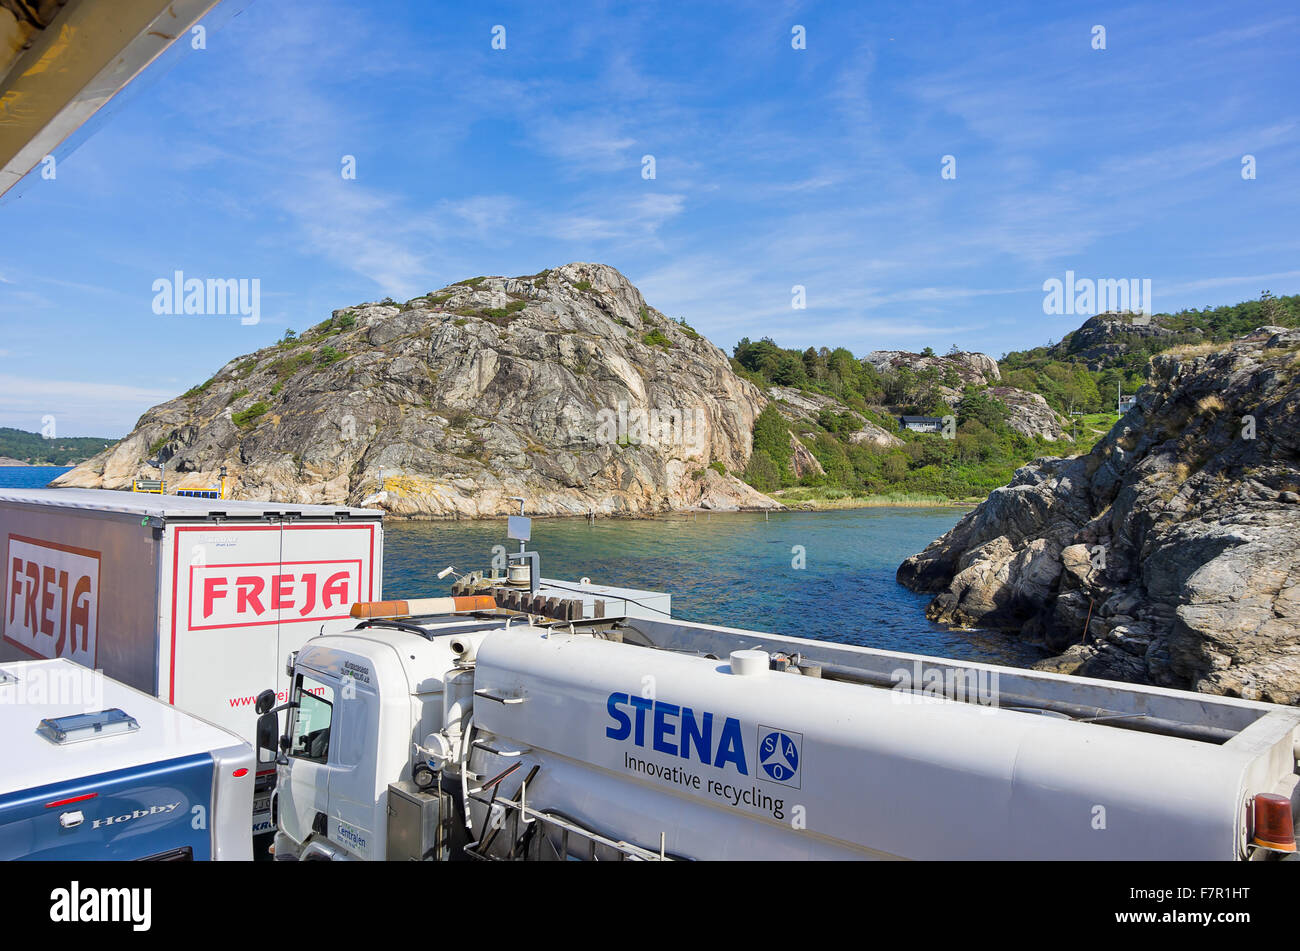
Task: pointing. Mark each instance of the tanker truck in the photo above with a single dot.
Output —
(536, 719)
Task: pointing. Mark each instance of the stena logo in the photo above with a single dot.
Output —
(779, 753)
(52, 599)
(247, 595)
(677, 731)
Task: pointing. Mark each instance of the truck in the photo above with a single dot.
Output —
(562, 728)
(109, 772)
(195, 601)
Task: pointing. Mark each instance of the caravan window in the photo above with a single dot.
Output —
(312, 720)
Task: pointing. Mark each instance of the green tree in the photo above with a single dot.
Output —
(761, 472)
(978, 406)
(788, 370)
(772, 437)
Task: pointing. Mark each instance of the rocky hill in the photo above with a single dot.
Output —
(1105, 339)
(1166, 555)
(957, 370)
(564, 387)
(954, 372)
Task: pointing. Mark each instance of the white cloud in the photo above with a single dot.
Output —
(1205, 282)
(80, 406)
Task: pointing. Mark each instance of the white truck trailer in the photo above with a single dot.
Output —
(567, 735)
(195, 601)
(108, 772)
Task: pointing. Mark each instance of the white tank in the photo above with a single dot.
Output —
(728, 760)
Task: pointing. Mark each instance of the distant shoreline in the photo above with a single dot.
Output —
(815, 504)
(822, 505)
(789, 498)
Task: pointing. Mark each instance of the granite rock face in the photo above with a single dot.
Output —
(959, 369)
(563, 387)
(804, 407)
(1168, 554)
(1030, 414)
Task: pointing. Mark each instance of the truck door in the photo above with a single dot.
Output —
(304, 797)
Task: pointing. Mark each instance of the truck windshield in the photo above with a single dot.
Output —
(311, 734)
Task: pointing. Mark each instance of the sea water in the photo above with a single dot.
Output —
(824, 575)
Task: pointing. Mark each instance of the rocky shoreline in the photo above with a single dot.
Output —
(1168, 555)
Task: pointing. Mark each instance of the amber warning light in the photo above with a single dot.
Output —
(1274, 828)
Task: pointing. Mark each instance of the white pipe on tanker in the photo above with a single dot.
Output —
(465, 646)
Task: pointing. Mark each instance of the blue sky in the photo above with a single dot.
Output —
(774, 167)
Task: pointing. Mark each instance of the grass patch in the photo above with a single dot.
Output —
(286, 367)
(842, 498)
(657, 338)
(245, 418)
(196, 390)
(1190, 350)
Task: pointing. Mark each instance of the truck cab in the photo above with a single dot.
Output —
(360, 702)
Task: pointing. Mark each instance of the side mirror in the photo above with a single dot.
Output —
(268, 725)
(265, 701)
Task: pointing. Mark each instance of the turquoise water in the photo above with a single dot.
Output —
(735, 569)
